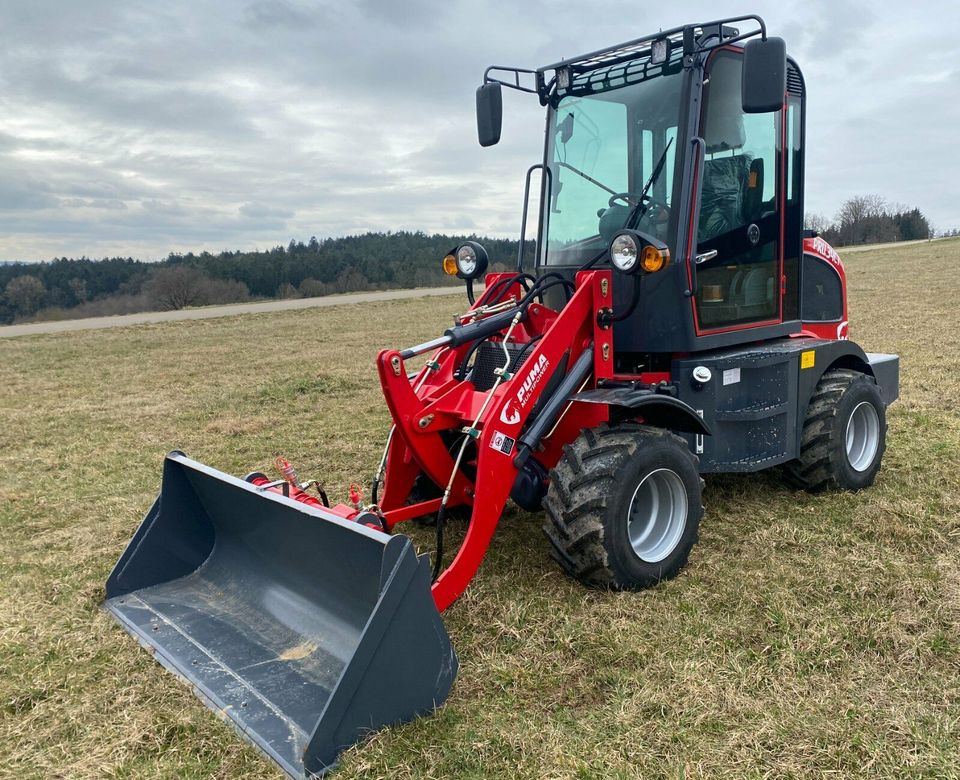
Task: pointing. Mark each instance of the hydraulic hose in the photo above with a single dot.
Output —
(506, 284)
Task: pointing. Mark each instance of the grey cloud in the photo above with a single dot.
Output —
(164, 208)
(25, 195)
(260, 211)
(102, 203)
(94, 99)
(142, 128)
(278, 13)
(404, 14)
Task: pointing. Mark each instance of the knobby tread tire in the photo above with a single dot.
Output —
(586, 496)
(822, 463)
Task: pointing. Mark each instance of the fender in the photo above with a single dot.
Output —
(885, 369)
(662, 411)
(829, 354)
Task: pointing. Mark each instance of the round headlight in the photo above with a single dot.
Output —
(467, 260)
(623, 253)
(471, 260)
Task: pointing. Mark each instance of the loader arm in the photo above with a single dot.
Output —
(443, 408)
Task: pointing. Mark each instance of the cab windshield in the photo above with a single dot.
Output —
(607, 140)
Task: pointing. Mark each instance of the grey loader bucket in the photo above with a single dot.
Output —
(307, 631)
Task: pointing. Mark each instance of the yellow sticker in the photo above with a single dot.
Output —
(808, 358)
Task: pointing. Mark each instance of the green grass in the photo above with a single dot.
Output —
(810, 635)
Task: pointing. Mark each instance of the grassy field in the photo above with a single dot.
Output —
(810, 635)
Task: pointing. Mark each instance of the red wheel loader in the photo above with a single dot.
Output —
(674, 320)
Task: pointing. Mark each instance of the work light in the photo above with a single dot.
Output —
(471, 260)
(632, 251)
(623, 253)
(659, 51)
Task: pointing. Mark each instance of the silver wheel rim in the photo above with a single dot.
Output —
(657, 515)
(863, 436)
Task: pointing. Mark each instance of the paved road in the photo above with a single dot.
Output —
(845, 250)
(208, 312)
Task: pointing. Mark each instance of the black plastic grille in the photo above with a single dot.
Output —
(794, 82)
(489, 356)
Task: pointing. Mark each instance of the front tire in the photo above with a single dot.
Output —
(844, 434)
(624, 506)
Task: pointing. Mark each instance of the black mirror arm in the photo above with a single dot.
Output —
(515, 72)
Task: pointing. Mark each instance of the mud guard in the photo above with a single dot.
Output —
(663, 411)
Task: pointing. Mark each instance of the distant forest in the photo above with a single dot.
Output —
(67, 288)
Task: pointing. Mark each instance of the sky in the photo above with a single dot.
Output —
(141, 128)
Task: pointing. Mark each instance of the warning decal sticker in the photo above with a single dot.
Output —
(502, 443)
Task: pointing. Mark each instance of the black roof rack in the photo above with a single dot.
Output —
(693, 37)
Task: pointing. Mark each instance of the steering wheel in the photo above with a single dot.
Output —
(631, 199)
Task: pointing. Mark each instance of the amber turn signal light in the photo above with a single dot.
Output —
(450, 265)
(653, 259)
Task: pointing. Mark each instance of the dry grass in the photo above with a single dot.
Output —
(810, 635)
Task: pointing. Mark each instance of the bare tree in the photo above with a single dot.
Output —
(350, 280)
(816, 222)
(175, 287)
(25, 294)
(78, 287)
(313, 288)
(223, 291)
(865, 219)
(853, 210)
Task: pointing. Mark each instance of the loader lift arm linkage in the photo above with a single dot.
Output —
(495, 418)
(519, 419)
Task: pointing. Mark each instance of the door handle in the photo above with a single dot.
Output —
(703, 258)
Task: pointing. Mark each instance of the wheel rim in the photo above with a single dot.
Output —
(863, 436)
(657, 515)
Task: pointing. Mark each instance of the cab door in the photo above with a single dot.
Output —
(738, 268)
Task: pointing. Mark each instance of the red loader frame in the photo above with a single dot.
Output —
(435, 402)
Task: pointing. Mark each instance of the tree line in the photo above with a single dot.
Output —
(69, 288)
(869, 219)
(83, 287)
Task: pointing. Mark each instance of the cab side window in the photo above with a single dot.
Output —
(822, 291)
(739, 205)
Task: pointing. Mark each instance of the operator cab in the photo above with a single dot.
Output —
(669, 139)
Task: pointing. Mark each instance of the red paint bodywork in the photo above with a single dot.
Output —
(443, 403)
(828, 330)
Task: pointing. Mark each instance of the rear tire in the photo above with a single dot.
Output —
(624, 506)
(844, 434)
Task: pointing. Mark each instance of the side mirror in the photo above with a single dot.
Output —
(489, 113)
(764, 75)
